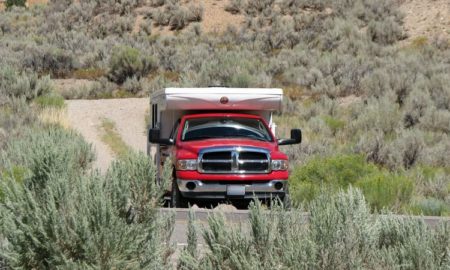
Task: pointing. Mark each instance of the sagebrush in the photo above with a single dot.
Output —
(340, 233)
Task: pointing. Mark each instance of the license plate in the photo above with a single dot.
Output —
(235, 190)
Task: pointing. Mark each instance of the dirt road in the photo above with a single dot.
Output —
(128, 115)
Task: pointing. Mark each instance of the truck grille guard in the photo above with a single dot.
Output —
(235, 160)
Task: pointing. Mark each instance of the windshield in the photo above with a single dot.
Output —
(227, 127)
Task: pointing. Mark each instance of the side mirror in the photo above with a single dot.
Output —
(296, 138)
(154, 137)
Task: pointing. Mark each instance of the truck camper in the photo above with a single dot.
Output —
(222, 143)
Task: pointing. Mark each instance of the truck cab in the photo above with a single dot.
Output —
(221, 142)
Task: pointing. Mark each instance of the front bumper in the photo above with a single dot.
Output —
(233, 189)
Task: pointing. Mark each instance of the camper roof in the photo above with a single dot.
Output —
(219, 98)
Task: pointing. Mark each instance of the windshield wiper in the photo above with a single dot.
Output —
(204, 137)
(201, 138)
(252, 137)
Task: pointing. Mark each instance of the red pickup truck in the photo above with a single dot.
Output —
(221, 143)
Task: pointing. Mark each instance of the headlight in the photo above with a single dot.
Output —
(187, 165)
(280, 165)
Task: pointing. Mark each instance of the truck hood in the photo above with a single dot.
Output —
(196, 146)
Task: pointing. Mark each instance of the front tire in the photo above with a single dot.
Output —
(177, 199)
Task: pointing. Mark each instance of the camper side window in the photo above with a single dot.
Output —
(154, 115)
(173, 134)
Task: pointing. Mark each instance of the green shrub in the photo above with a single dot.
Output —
(157, 3)
(234, 6)
(195, 13)
(134, 189)
(46, 153)
(241, 80)
(333, 172)
(88, 222)
(16, 173)
(304, 191)
(334, 124)
(127, 62)
(179, 19)
(255, 7)
(431, 182)
(51, 100)
(431, 207)
(160, 17)
(416, 107)
(18, 3)
(187, 259)
(340, 233)
(50, 60)
(385, 32)
(15, 116)
(381, 188)
(16, 85)
(409, 243)
(386, 190)
(343, 230)
(133, 86)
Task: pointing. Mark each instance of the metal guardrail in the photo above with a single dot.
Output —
(201, 214)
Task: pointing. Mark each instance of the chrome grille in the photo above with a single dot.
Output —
(241, 160)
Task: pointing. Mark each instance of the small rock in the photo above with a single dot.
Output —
(225, 208)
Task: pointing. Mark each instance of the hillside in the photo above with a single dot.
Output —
(357, 79)
(429, 18)
(367, 81)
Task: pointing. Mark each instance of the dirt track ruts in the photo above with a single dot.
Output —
(85, 116)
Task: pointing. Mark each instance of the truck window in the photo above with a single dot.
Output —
(229, 127)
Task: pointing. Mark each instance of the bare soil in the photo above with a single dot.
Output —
(426, 18)
(128, 115)
(66, 85)
(215, 18)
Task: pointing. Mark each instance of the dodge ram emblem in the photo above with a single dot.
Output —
(224, 100)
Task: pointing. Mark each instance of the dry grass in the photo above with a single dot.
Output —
(112, 138)
(53, 115)
(37, 2)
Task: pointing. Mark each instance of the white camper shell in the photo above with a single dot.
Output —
(170, 104)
